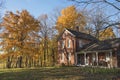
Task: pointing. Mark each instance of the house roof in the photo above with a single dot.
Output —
(81, 35)
(103, 45)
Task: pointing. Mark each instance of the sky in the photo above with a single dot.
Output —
(38, 7)
(35, 7)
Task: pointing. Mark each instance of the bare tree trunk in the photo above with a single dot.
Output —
(20, 62)
(30, 62)
(26, 62)
(17, 62)
(53, 57)
(9, 61)
(45, 54)
(8, 65)
(41, 62)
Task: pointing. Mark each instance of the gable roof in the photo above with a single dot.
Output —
(103, 45)
(81, 35)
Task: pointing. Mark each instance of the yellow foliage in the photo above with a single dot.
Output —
(106, 34)
(69, 19)
(19, 29)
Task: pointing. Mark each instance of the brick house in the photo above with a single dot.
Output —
(77, 48)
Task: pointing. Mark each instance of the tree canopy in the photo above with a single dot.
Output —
(106, 34)
(70, 18)
(19, 33)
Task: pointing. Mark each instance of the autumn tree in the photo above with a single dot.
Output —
(95, 21)
(44, 36)
(18, 40)
(2, 6)
(106, 34)
(70, 18)
(47, 34)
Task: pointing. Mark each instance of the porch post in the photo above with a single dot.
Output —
(111, 59)
(85, 57)
(97, 58)
(76, 58)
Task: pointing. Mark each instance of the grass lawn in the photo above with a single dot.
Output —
(62, 73)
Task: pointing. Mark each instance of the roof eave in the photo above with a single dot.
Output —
(63, 32)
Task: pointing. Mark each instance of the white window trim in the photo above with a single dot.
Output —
(69, 56)
(107, 57)
(68, 43)
(80, 43)
(62, 57)
(63, 44)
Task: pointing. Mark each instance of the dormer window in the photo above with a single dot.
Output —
(80, 43)
(68, 43)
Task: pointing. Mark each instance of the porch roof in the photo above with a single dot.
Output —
(101, 46)
(82, 52)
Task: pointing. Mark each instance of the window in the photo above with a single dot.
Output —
(68, 43)
(62, 57)
(93, 57)
(63, 44)
(69, 56)
(80, 43)
(107, 57)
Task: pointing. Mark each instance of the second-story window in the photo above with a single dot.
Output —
(68, 43)
(62, 57)
(80, 43)
(69, 56)
(63, 44)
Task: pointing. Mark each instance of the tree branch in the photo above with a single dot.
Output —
(114, 24)
(118, 0)
(95, 2)
(112, 4)
(86, 2)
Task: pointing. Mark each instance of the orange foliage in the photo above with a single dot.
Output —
(106, 34)
(18, 32)
(70, 18)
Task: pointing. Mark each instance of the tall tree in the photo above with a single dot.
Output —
(112, 8)
(96, 24)
(19, 29)
(97, 21)
(48, 44)
(70, 18)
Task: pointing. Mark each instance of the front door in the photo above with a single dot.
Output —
(80, 59)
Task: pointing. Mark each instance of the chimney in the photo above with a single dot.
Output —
(77, 28)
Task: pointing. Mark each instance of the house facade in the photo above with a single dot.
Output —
(80, 49)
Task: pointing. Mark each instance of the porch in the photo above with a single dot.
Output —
(102, 58)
